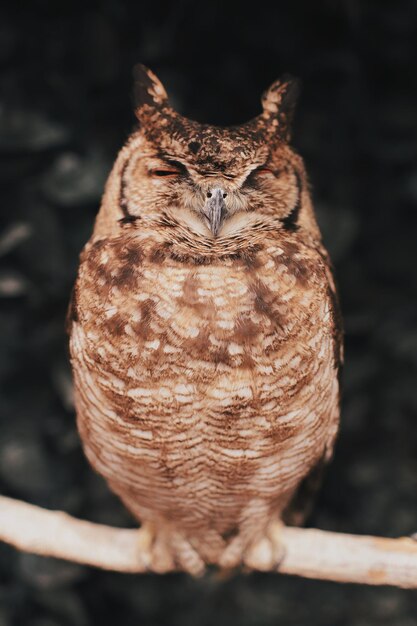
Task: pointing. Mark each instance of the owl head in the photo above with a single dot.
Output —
(208, 181)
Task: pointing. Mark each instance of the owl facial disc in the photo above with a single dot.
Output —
(214, 209)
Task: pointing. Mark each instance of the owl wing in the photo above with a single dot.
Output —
(302, 502)
(72, 314)
(299, 508)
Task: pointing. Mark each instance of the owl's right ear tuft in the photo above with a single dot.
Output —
(147, 89)
(279, 102)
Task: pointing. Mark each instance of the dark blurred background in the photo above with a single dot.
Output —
(65, 110)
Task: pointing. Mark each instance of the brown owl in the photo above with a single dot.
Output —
(204, 331)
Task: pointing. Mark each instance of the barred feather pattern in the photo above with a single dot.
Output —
(205, 393)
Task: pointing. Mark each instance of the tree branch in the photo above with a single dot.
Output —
(308, 552)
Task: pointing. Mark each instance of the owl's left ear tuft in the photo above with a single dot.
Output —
(147, 88)
(279, 102)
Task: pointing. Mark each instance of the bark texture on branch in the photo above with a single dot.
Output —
(308, 552)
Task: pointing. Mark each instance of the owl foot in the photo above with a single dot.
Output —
(168, 551)
(264, 554)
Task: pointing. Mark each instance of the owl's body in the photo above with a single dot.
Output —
(205, 364)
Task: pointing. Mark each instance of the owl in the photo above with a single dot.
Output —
(205, 336)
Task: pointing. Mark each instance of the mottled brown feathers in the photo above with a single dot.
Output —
(205, 363)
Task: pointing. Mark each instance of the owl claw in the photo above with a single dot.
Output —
(266, 553)
(168, 551)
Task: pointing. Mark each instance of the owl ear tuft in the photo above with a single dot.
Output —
(278, 104)
(147, 89)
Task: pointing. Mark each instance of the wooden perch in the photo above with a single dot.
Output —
(308, 552)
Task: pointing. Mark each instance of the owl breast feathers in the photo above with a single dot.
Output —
(205, 341)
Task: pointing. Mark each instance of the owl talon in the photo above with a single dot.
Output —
(187, 559)
(146, 537)
(168, 551)
(266, 553)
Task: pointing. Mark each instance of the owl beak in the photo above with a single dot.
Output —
(214, 209)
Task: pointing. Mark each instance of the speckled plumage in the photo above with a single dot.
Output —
(206, 367)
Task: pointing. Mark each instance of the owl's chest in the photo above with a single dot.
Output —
(182, 341)
(216, 368)
(152, 317)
